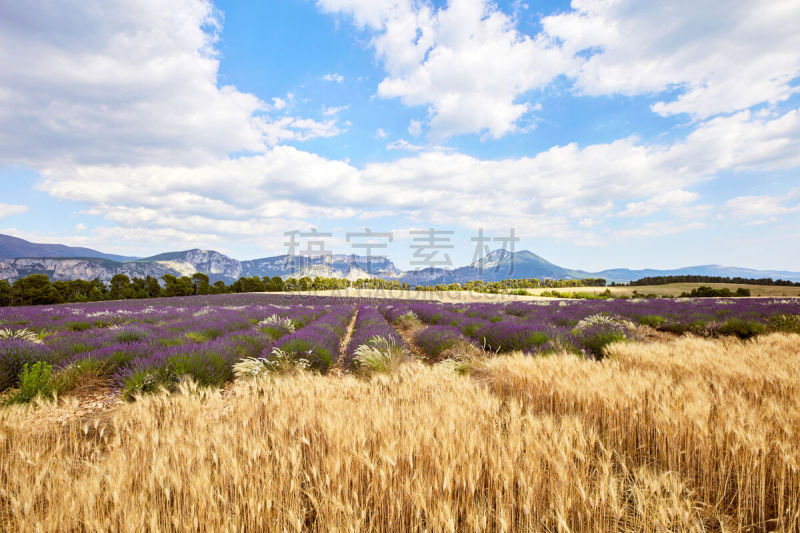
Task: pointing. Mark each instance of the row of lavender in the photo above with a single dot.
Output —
(586, 326)
(143, 347)
(370, 325)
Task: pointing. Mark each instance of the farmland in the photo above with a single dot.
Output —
(297, 412)
(463, 296)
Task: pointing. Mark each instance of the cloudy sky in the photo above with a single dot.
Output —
(607, 133)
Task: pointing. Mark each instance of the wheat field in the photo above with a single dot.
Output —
(683, 435)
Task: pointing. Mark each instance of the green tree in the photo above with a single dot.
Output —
(274, 284)
(304, 284)
(174, 286)
(152, 287)
(34, 290)
(219, 287)
(5, 293)
(201, 283)
(119, 288)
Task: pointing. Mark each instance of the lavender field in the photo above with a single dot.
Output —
(142, 346)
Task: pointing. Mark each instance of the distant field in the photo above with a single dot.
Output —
(441, 296)
(672, 289)
(675, 289)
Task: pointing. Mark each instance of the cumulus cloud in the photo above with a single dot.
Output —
(467, 61)
(299, 129)
(131, 82)
(764, 205)
(548, 194)
(471, 66)
(402, 144)
(8, 210)
(333, 111)
(668, 199)
(715, 57)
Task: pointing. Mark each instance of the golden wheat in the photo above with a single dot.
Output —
(690, 435)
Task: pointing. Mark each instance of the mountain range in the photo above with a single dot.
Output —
(20, 258)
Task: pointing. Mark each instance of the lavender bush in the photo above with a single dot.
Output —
(434, 340)
(370, 324)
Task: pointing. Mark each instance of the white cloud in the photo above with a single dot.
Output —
(656, 229)
(415, 128)
(380, 134)
(366, 215)
(549, 194)
(299, 129)
(125, 82)
(279, 104)
(80, 227)
(764, 205)
(333, 111)
(402, 144)
(466, 62)
(334, 77)
(7, 210)
(720, 57)
(471, 66)
(668, 199)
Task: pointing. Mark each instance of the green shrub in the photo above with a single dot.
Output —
(144, 381)
(470, 329)
(318, 357)
(785, 323)
(78, 326)
(742, 328)
(79, 373)
(175, 341)
(35, 380)
(596, 341)
(379, 355)
(654, 321)
(130, 335)
(709, 292)
(205, 368)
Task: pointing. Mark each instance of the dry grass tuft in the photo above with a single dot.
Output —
(690, 435)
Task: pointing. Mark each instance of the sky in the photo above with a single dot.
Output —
(605, 133)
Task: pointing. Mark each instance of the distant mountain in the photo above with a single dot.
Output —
(14, 247)
(18, 258)
(501, 264)
(216, 265)
(79, 268)
(624, 274)
(335, 266)
(495, 266)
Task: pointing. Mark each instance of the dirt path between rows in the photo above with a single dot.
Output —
(408, 337)
(338, 367)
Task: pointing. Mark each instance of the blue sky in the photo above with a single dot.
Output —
(607, 134)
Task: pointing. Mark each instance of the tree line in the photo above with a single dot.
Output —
(664, 280)
(37, 289)
(496, 287)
